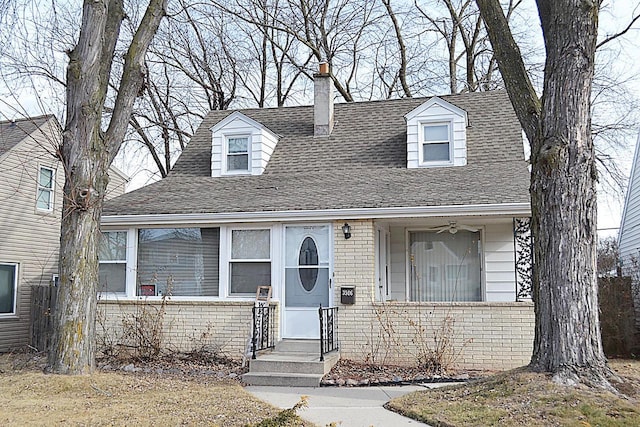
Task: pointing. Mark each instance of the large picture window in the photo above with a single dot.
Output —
(445, 266)
(8, 284)
(178, 261)
(112, 255)
(250, 262)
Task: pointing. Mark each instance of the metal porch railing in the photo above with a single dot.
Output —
(263, 335)
(328, 330)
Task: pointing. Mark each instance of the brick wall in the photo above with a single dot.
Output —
(484, 335)
(187, 325)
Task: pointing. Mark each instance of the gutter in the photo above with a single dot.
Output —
(506, 209)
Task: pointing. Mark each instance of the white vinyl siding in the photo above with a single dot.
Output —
(499, 263)
(629, 239)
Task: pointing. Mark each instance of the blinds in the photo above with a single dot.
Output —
(445, 266)
(179, 261)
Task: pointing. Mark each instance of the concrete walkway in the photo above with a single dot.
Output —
(347, 407)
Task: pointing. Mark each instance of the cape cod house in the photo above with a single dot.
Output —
(410, 216)
(31, 182)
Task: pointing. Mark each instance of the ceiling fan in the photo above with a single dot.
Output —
(453, 228)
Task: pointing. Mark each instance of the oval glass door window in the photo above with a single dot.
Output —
(308, 256)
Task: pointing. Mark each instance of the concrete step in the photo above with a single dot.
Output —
(282, 379)
(294, 363)
(298, 346)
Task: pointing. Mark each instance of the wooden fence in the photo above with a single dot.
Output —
(43, 302)
(619, 335)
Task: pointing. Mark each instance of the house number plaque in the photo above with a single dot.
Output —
(348, 295)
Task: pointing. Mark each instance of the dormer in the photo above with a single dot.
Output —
(436, 135)
(240, 146)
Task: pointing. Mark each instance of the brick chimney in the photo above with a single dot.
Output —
(322, 101)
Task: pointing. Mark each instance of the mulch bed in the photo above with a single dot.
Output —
(356, 374)
(346, 373)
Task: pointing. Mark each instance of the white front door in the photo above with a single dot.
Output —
(307, 279)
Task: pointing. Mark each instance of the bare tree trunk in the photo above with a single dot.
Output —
(563, 178)
(563, 192)
(87, 153)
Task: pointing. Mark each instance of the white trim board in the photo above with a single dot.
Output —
(513, 209)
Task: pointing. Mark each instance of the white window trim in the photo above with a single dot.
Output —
(132, 266)
(126, 261)
(422, 142)
(51, 190)
(225, 153)
(228, 260)
(16, 269)
(483, 267)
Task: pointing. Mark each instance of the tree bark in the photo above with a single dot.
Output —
(563, 184)
(87, 153)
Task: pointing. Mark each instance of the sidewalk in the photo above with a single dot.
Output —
(347, 407)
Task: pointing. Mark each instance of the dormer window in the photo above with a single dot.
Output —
(240, 146)
(436, 135)
(238, 150)
(436, 143)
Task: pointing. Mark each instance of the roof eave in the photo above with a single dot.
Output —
(505, 209)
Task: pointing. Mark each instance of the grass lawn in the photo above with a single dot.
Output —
(519, 398)
(29, 397)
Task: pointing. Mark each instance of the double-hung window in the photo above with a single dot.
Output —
(250, 261)
(112, 257)
(8, 285)
(237, 148)
(44, 199)
(436, 143)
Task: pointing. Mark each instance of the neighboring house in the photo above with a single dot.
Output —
(31, 182)
(629, 234)
(410, 205)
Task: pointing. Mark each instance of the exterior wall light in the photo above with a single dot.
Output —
(346, 229)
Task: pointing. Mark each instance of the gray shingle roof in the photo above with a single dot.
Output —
(361, 165)
(14, 131)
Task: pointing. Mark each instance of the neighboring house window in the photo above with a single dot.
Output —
(445, 266)
(44, 199)
(178, 261)
(237, 154)
(8, 285)
(250, 262)
(436, 143)
(112, 257)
